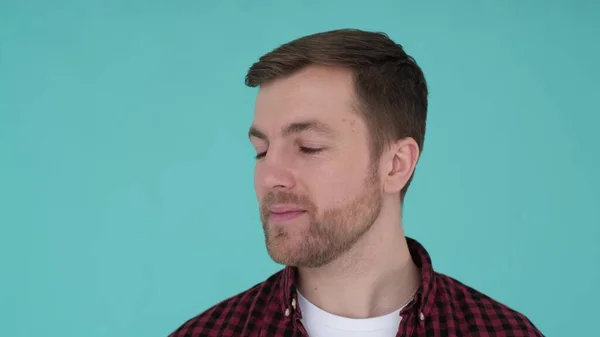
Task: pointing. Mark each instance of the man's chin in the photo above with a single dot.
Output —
(294, 256)
(283, 251)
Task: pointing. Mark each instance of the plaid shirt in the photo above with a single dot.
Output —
(442, 307)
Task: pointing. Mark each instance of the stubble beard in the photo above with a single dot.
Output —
(329, 235)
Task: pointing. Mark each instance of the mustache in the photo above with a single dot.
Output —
(281, 198)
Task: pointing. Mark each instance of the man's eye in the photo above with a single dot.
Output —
(310, 150)
(303, 149)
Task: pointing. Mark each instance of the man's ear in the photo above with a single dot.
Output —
(400, 161)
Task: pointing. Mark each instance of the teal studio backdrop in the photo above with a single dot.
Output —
(126, 194)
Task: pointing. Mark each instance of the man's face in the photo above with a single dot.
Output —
(318, 190)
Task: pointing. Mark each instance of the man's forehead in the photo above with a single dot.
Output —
(280, 114)
(331, 128)
(325, 117)
(316, 89)
(318, 99)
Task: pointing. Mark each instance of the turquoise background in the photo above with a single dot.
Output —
(126, 196)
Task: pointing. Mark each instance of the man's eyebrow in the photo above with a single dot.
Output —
(297, 127)
(310, 125)
(256, 133)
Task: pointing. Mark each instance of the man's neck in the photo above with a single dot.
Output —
(376, 277)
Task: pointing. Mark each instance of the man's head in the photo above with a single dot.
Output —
(338, 128)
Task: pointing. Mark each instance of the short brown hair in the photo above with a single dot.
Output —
(390, 86)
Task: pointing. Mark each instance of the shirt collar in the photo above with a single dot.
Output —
(425, 294)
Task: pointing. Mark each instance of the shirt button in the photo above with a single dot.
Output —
(421, 316)
(294, 303)
(287, 312)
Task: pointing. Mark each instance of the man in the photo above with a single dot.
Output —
(338, 129)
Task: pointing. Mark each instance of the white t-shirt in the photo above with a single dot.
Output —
(319, 323)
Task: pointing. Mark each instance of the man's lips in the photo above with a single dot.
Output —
(280, 213)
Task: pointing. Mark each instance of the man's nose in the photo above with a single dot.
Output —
(276, 172)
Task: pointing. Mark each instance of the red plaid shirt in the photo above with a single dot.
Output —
(442, 307)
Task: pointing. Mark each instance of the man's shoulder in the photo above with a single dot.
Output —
(231, 314)
(477, 312)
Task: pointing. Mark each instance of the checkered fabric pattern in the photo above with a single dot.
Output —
(442, 307)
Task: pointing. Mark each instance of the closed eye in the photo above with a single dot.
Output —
(310, 150)
(303, 149)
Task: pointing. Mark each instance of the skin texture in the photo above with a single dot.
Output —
(313, 154)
